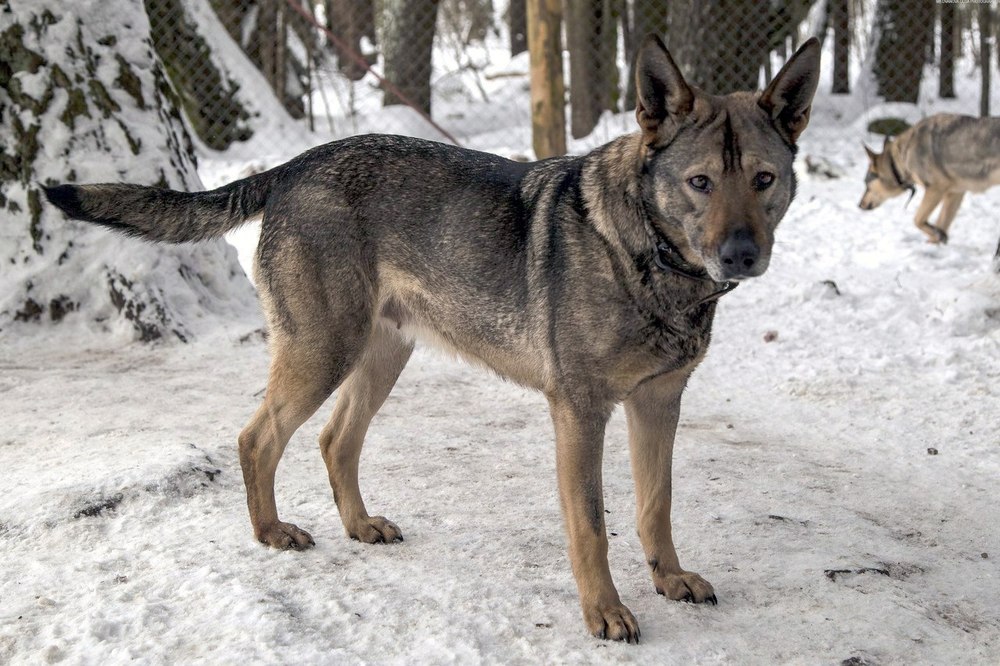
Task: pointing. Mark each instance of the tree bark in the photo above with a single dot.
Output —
(261, 28)
(548, 94)
(946, 82)
(350, 21)
(98, 108)
(985, 30)
(593, 70)
(900, 27)
(649, 17)
(840, 18)
(407, 43)
(720, 61)
(517, 18)
(207, 96)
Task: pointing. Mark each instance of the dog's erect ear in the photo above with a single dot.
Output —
(872, 155)
(788, 99)
(885, 144)
(662, 94)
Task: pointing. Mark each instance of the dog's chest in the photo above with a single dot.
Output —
(663, 345)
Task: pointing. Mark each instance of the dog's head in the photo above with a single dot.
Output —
(718, 169)
(881, 180)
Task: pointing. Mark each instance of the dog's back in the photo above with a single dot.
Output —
(954, 152)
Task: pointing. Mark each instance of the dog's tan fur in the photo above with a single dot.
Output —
(946, 154)
(593, 279)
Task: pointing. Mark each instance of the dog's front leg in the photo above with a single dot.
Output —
(932, 198)
(579, 446)
(652, 412)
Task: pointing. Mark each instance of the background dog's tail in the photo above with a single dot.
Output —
(169, 216)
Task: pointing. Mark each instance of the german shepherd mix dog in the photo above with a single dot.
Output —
(946, 154)
(593, 279)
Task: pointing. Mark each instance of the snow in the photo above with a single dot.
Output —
(837, 484)
(79, 263)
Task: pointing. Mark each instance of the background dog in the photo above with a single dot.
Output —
(593, 279)
(946, 154)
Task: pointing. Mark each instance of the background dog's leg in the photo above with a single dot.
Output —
(360, 397)
(579, 444)
(652, 412)
(996, 259)
(949, 208)
(927, 205)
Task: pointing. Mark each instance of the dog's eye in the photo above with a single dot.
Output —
(701, 183)
(763, 180)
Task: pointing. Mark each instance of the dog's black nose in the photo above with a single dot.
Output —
(738, 254)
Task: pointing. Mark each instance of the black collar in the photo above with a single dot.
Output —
(899, 178)
(668, 259)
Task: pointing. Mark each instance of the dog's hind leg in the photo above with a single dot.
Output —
(932, 197)
(949, 207)
(652, 412)
(579, 443)
(298, 384)
(320, 319)
(359, 398)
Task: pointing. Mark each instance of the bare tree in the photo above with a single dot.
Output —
(592, 34)
(720, 61)
(262, 29)
(946, 82)
(985, 30)
(840, 18)
(548, 122)
(517, 20)
(901, 48)
(647, 17)
(407, 43)
(350, 21)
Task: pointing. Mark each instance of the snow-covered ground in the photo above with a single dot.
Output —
(837, 476)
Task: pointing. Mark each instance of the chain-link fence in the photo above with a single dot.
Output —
(459, 70)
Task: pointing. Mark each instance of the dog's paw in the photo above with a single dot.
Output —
(375, 529)
(685, 586)
(613, 622)
(285, 536)
(937, 236)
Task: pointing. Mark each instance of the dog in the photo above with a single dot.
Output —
(593, 279)
(946, 154)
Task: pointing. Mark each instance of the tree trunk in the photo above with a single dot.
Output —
(900, 28)
(548, 94)
(719, 61)
(407, 42)
(517, 17)
(208, 97)
(98, 108)
(261, 29)
(985, 30)
(946, 82)
(593, 70)
(350, 21)
(271, 44)
(840, 18)
(649, 17)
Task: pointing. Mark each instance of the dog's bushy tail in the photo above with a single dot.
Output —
(159, 214)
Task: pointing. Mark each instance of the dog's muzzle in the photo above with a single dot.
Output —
(739, 256)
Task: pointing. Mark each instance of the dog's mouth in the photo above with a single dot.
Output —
(866, 204)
